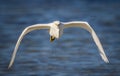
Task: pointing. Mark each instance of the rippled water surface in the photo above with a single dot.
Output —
(75, 53)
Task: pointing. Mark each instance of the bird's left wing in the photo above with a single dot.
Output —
(86, 26)
(25, 31)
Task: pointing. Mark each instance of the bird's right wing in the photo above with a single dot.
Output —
(86, 26)
(25, 31)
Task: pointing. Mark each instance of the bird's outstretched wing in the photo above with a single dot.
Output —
(25, 31)
(86, 26)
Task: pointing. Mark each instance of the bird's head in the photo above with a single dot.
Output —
(56, 30)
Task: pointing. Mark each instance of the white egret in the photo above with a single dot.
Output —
(56, 30)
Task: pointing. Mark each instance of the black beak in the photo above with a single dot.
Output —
(52, 38)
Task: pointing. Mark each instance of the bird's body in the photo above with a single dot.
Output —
(56, 30)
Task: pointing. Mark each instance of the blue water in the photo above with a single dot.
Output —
(75, 53)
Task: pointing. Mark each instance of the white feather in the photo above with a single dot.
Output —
(56, 30)
(86, 26)
(25, 31)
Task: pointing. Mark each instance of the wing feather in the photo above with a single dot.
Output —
(25, 31)
(86, 26)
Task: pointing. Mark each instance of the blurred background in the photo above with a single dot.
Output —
(75, 53)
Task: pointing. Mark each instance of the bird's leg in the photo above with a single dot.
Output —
(52, 38)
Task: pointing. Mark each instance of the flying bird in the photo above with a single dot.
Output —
(56, 30)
